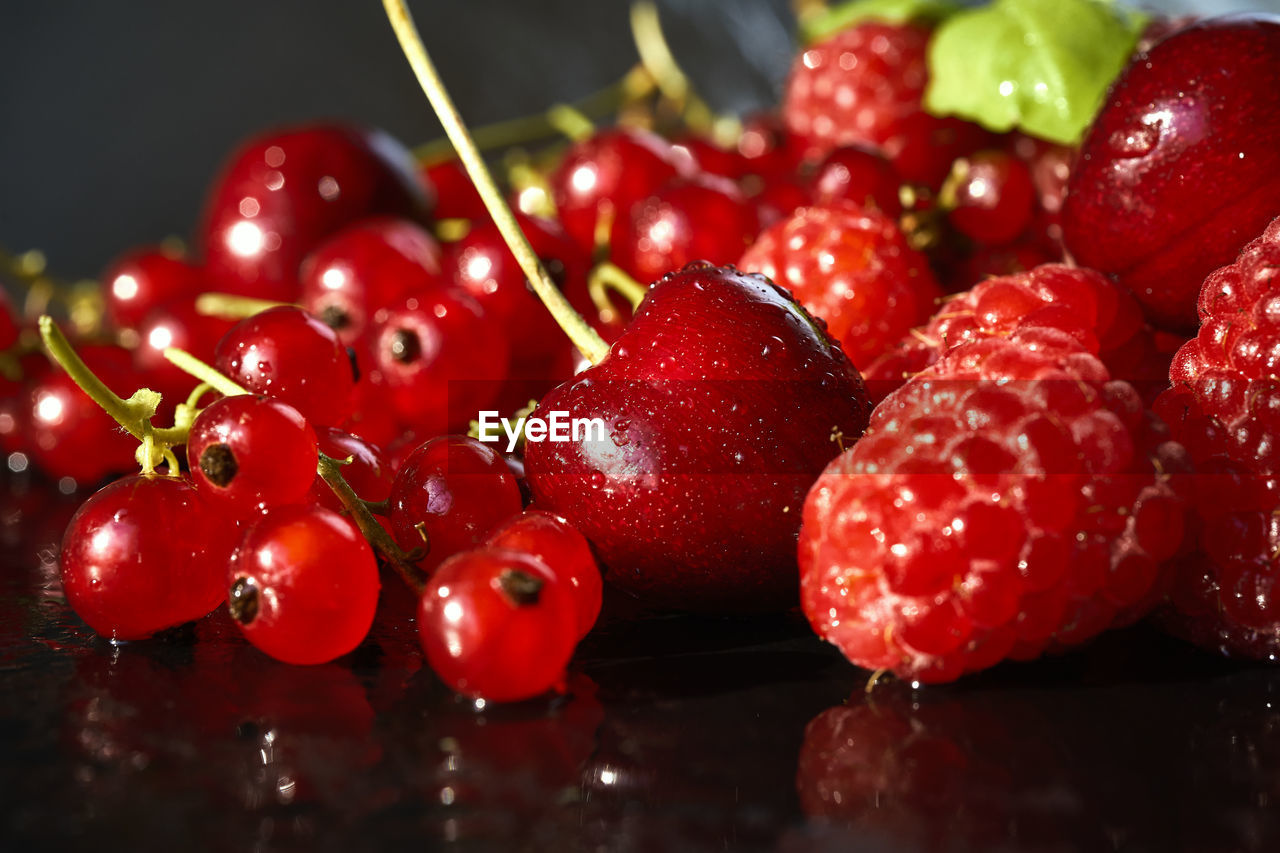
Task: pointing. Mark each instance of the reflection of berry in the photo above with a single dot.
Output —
(1000, 503)
(1225, 407)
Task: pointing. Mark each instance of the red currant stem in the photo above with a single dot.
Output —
(608, 276)
(656, 55)
(206, 373)
(570, 122)
(330, 470)
(634, 85)
(590, 344)
(133, 414)
(232, 307)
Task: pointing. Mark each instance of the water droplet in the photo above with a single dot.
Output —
(598, 479)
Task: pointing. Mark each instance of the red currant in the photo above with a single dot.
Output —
(304, 585)
(145, 279)
(69, 435)
(285, 191)
(668, 230)
(367, 470)
(177, 324)
(604, 175)
(249, 453)
(861, 175)
(370, 265)
(456, 491)
(990, 197)
(143, 554)
(497, 625)
(438, 359)
(292, 356)
(556, 544)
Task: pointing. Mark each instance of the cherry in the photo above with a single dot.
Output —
(861, 175)
(709, 156)
(722, 402)
(288, 354)
(285, 191)
(366, 468)
(438, 359)
(1180, 168)
(554, 543)
(304, 585)
(989, 196)
(68, 434)
(143, 554)
(669, 229)
(144, 279)
(769, 148)
(779, 198)
(247, 453)
(604, 175)
(366, 267)
(454, 490)
(497, 625)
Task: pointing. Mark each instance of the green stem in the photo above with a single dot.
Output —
(656, 55)
(232, 307)
(133, 414)
(590, 344)
(570, 121)
(609, 276)
(636, 84)
(331, 471)
(206, 373)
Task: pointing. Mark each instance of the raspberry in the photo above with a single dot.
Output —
(851, 267)
(1002, 502)
(1225, 407)
(863, 86)
(1096, 313)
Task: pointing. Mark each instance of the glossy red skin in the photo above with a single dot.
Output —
(460, 491)
(286, 353)
(861, 175)
(176, 324)
(69, 435)
(366, 267)
(496, 649)
(482, 265)
(1181, 166)
(719, 402)
(553, 542)
(608, 172)
(317, 582)
(274, 449)
(990, 196)
(456, 195)
(365, 468)
(371, 418)
(284, 192)
(143, 280)
(456, 369)
(669, 228)
(143, 554)
(9, 325)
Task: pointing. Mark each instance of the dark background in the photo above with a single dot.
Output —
(115, 115)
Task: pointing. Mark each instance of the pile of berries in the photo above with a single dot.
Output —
(931, 347)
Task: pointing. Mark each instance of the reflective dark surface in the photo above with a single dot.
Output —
(676, 734)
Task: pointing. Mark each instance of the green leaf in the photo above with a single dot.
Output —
(832, 19)
(1042, 66)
